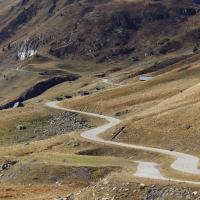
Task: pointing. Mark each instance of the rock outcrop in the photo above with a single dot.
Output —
(26, 49)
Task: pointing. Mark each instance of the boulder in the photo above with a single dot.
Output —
(68, 96)
(58, 198)
(69, 197)
(142, 186)
(84, 93)
(18, 104)
(100, 87)
(21, 127)
(194, 193)
(7, 164)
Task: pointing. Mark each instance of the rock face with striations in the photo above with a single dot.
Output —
(26, 49)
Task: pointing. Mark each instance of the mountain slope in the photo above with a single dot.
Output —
(92, 56)
(101, 30)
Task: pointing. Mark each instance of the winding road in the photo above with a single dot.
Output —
(182, 162)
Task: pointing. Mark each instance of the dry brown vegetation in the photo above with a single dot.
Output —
(163, 112)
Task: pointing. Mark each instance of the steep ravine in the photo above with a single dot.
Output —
(40, 88)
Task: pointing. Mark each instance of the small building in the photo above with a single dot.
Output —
(145, 78)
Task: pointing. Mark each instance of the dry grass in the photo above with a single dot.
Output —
(37, 192)
(154, 118)
(162, 113)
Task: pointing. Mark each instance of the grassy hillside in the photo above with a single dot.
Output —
(104, 46)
